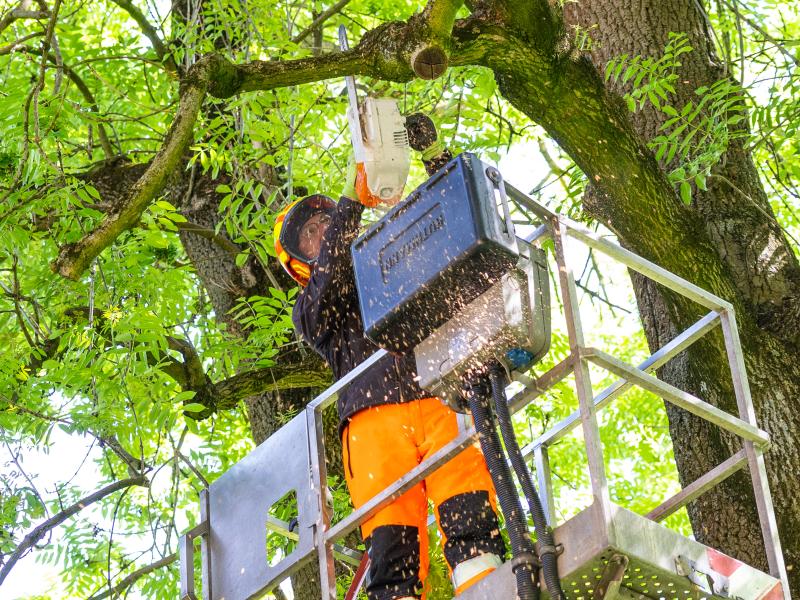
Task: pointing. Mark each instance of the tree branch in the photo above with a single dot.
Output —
(192, 363)
(440, 16)
(150, 32)
(135, 465)
(82, 87)
(73, 259)
(21, 11)
(535, 20)
(211, 235)
(16, 45)
(132, 578)
(228, 392)
(41, 530)
(321, 18)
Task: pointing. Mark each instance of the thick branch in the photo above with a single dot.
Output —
(150, 32)
(41, 530)
(387, 52)
(230, 391)
(73, 259)
(268, 75)
(132, 578)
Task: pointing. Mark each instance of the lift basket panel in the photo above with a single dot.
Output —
(436, 251)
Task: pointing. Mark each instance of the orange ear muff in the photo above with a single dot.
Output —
(301, 271)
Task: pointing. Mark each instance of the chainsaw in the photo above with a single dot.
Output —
(380, 141)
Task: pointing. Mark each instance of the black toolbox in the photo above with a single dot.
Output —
(434, 252)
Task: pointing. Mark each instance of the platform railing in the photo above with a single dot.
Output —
(562, 232)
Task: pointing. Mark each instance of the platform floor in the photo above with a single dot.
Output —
(661, 564)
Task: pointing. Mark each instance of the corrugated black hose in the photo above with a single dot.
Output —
(547, 548)
(478, 393)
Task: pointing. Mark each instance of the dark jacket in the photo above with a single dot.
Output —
(328, 317)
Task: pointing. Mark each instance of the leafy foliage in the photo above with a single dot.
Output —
(695, 135)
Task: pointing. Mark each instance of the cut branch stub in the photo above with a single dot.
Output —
(429, 62)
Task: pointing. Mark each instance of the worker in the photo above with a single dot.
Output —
(388, 424)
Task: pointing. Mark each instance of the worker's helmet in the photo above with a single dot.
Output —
(287, 234)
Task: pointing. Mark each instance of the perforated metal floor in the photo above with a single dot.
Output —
(661, 564)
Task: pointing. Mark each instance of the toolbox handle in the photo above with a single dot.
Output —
(498, 184)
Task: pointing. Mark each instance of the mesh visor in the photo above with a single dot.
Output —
(296, 218)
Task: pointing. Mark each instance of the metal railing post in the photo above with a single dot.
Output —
(545, 480)
(319, 478)
(583, 383)
(755, 456)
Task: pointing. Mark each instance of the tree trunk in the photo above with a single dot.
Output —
(760, 261)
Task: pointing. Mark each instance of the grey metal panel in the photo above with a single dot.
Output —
(239, 504)
(658, 548)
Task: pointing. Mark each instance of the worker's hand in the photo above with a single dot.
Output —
(355, 186)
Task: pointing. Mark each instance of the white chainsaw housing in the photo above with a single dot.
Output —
(382, 148)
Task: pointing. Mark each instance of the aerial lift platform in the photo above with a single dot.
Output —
(608, 551)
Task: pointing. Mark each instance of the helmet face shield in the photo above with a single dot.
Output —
(299, 227)
(304, 221)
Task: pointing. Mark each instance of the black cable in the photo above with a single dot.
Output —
(547, 548)
(522, 546)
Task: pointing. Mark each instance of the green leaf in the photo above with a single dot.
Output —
(194, 407)
(686, 192)
(700, 180)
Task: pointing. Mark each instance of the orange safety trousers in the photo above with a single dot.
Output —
(382, 443)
